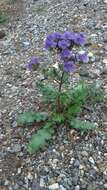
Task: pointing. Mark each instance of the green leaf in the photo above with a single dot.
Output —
(95, 94)
(40, 138)
(41, 116)
(79, 93)
(3, 17)
(82, 125)
(48, 91)
(30, 117)
(74, 109)
(86, 93)
(57, 118)
(74, 97)
(66, 78)
(64, 98)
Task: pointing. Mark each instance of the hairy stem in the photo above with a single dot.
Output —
(59, 90)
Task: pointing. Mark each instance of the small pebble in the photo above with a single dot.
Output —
(77, 187)
(105, 186)
(62, 188)
(105, 61)
(91, 160)
(42, 183)
(54, 186)
(76, 163)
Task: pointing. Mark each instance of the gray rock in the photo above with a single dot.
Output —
(92, 173)
(69, 181)
(75, 180)
(35, 186)
(105, 186)
(105, 47)
(84, 72)
(14, 124)
(84, 153)
(91, 186)
(76, 163)
(16, 187)
(104, 70)
(105, 175)
(83, 185)
(20, 183)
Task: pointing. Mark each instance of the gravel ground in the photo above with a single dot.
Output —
(69, 162)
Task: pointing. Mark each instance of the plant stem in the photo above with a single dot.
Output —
(61, 82)
(59, 90)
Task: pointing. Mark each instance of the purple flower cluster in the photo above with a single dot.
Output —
(64, 43)
(33, 63)
(65, 40)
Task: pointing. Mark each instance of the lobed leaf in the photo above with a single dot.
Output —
(30, 117)
(40, 138)
(73, 110)
(48, 91)
(82, 125)
(57, 118)
(79, 93)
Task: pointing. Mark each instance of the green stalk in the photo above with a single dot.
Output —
(58, 107)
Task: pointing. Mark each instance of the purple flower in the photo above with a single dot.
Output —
(49, 44)
(33, 62)
(69, 35)
(69, 66)
(54, 36)
(52, 39)
(64, 44)
(65, 54)
(79, 39)
(83, 58)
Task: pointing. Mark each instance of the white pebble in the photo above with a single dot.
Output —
(72, 160)
(105, 185)
(54, 186)
(91, 160)
(19, 170)
(42, 184)
(105, 61)
(105, 1)
(77, 187)
(90, 54)
(62, 188)
(29, 176)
